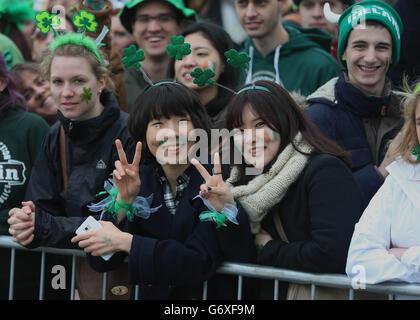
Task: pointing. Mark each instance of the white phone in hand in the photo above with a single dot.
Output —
(91, 224)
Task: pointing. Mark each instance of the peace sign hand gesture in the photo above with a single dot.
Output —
(215, 190)
(126, 176)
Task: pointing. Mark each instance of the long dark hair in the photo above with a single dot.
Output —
(162, 101)
(281, 113)
(9, 98)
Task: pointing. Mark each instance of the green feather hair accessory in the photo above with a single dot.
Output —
(417, 89)
(77, 39)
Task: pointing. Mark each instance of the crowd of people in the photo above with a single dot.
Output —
(273, 132)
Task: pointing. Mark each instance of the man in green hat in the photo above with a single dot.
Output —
(152, 23)
(358, 109)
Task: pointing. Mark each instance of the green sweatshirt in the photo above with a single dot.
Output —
(303, 63)
(21, 135)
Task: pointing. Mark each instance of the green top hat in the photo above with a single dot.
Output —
(128, 12)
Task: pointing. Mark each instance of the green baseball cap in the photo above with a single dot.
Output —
(128, 12)
(348, 2)
(370, 10)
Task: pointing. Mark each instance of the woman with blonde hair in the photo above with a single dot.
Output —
(78, 152)
(386, 242)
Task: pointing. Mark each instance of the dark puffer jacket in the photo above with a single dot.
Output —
(355, 121)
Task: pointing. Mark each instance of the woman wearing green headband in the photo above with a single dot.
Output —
(78, 153)
(293, 185)
(386, 241)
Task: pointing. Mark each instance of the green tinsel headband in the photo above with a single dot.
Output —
(77, 39)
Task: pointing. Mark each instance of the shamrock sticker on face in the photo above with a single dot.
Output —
(203, 77)
(86, 95)
(132, 57)
(236, 59)
(177, 48)
(85, 21)
(46, 22)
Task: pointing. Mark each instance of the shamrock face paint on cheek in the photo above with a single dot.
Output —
(86, 95)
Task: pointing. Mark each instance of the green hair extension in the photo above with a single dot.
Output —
(78, 39)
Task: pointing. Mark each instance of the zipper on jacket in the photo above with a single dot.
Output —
(70, 125)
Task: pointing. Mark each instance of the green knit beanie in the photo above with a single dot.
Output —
(370, 10)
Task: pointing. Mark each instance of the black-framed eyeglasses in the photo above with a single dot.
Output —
(161, 18)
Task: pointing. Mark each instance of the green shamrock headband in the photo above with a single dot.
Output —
(84, 21)
(178, 49)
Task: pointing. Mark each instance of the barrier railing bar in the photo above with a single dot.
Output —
(73, 277)
(104, 285)
(251, 271)
(205, 286)
(41, 281)
(12, 272)
(313, 291)
(351, 294)
(276, 290)
(240, 282)
(136, 292)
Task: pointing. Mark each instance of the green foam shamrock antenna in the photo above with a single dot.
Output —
(86, 95)
(236, 59)
(132, 57)
(86, 21)
(46, 22)
(203, 77)
(177, 48)
(416, 152)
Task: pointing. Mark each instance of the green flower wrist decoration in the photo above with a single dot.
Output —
(132, 57)
(85, 21)
(416, 152)
(177, 48)
(236, 59)
(203, 77)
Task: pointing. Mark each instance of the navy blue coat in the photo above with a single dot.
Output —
(171, 255)
(340, 109)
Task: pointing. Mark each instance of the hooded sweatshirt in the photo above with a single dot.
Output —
(302, 64)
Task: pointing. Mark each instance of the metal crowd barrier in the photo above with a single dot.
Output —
(235, 269)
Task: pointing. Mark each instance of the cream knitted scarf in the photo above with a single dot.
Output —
(267, 189)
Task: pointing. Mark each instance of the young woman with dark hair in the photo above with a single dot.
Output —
(208, 43)
(171, 252)
(303, 203)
